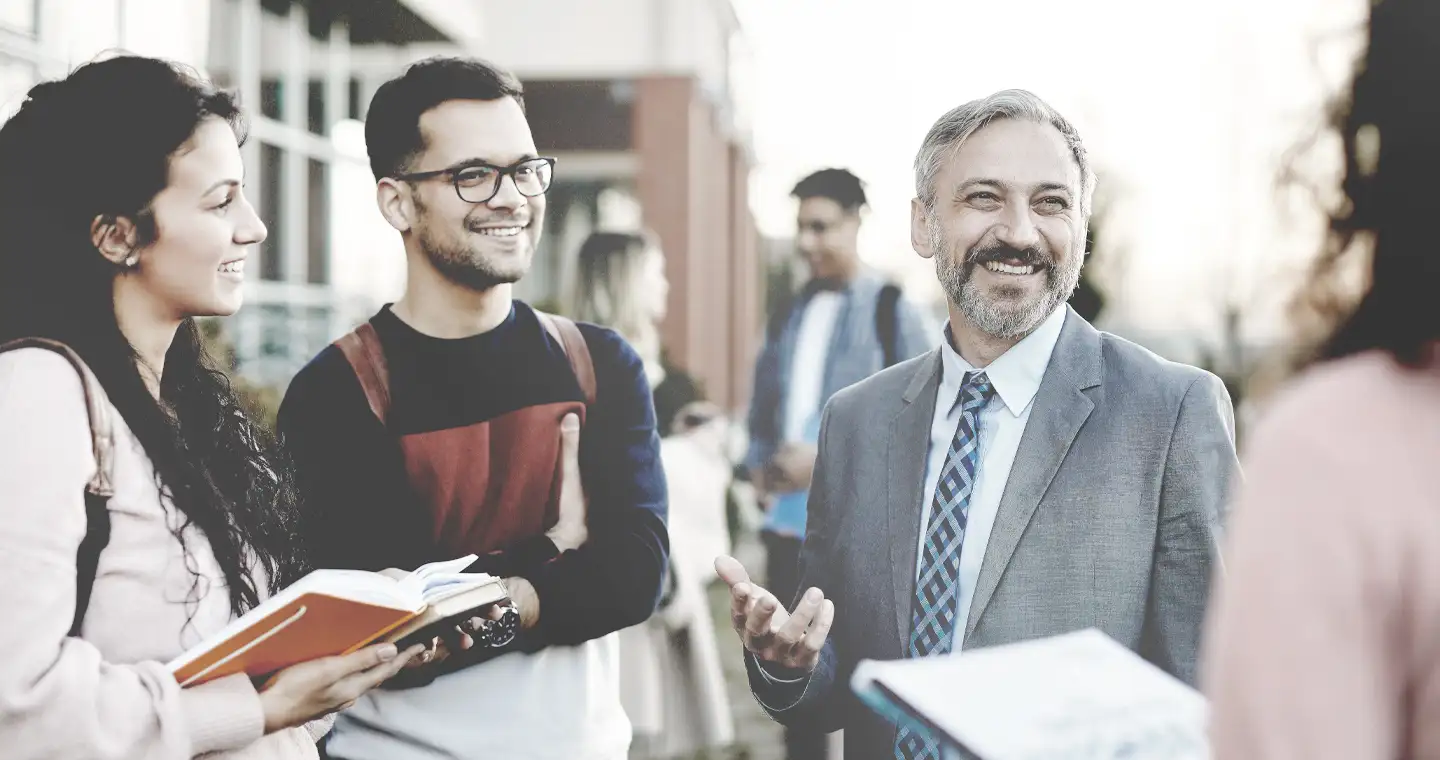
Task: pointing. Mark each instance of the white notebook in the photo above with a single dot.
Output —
(1078, 696)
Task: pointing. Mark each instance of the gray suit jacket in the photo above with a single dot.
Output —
(1110, 519)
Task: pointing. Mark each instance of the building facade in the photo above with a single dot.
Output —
(641, 101)
(644, 104)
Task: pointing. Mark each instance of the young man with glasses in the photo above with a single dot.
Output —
(844, 325)
(445, 426)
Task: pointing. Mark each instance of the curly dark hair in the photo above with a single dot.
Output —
(1388, 122)
(98, 144)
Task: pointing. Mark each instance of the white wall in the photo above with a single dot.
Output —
(616, 38)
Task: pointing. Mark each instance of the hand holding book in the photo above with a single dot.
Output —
(311, 690)
(337, 612)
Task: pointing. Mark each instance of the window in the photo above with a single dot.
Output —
(272, 212)
(318, 229)
(20, 16)
(17, 76)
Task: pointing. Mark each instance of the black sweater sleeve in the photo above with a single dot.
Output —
(614, 580)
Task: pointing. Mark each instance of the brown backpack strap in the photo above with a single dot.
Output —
(97, 407)
(362, 349)
(101, 486)
(568, 335)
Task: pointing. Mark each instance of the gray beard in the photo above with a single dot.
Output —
(1007, 317)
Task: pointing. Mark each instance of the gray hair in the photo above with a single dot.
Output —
(955, 127)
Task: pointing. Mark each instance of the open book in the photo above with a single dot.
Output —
(1075, 696)
(331, 612)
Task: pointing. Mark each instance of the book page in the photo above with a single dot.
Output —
(1079, 696)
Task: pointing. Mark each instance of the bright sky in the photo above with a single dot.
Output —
(1185, 108)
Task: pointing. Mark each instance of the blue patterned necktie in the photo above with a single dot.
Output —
(937, 589)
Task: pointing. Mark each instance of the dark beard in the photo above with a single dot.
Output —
(460, 264)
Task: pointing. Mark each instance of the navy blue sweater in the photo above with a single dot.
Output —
(362, 511)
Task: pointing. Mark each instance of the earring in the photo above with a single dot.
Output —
(132, 261)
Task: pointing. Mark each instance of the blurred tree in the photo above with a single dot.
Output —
(261, 402)
(1088, 300)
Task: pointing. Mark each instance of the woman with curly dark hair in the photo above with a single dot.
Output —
(122, 219)
(1325, 638)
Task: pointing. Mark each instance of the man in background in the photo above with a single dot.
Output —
(845, 324)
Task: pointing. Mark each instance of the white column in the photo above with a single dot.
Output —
(295, 82)
(337, 107)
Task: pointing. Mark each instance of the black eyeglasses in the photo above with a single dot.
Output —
(478, 183)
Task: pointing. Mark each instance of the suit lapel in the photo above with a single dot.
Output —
(909, 442)
(1061, 408)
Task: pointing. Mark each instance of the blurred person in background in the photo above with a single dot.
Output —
(1324, 638)
(671, 679)
(845, 324)
(448, 424)
(1031, 477)
(141, 510)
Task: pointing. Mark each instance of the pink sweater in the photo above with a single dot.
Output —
(106, 694)
(1324, 641)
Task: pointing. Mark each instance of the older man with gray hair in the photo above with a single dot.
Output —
(1030, 477)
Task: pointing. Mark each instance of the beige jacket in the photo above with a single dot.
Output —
(1324, 638)
(106, 694)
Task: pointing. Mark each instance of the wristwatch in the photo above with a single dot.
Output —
(498, 633)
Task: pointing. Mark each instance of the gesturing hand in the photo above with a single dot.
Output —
(789, 640)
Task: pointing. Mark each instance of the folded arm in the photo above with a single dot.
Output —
(614, 580)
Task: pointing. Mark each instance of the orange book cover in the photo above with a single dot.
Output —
(328, 612)
(311, 626)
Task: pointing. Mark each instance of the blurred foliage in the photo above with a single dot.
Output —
(261, 402)
(1088, 300)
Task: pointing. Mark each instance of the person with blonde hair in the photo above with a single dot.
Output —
(672, 684)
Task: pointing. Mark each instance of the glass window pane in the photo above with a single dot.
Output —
(272, 212)
(19, 15)
(318, 253)
(315, 111)
(17, 76)
(353, 107)
(272, 99)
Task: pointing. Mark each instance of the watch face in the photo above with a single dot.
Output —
(498, 633)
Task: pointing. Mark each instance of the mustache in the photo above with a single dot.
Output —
(517, 221)
(1031, 256)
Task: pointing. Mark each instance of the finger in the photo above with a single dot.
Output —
(757, 623)
(336, 668)
(570, 444)
(793, 631)
(819, 631)
(731, 571)
(452, 639)
(353, 686)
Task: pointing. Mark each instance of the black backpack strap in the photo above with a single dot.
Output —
(100, 488)
(87, 559)
(886, 322)
(779, 315)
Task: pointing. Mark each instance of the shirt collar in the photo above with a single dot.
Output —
(1015, 375)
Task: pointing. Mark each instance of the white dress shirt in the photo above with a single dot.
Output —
(807, 369)
(1015, 377)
